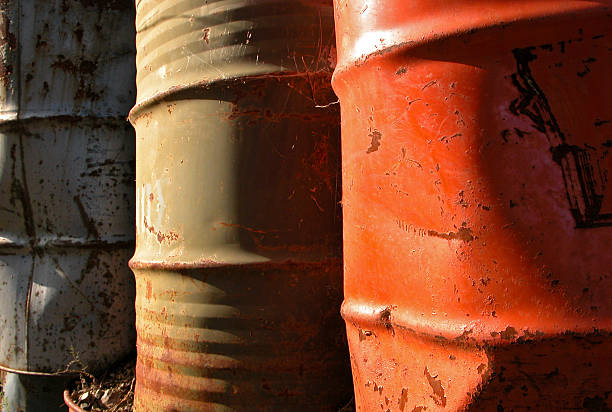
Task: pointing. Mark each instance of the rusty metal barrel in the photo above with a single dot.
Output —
(66, 190)
(238, 247)
(477, 201)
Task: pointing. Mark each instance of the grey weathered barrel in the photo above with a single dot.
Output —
(66, 183)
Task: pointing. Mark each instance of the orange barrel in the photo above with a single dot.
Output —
(477, 169)
(238, 252)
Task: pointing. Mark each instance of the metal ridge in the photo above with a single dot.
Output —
(427, 30)
(202, 88)
(451, 331)
(19, 118)
(210, 263)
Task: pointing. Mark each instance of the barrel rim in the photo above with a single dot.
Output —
(428, 32)
(201, 88)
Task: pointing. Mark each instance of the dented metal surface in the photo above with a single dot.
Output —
(238, 258)
(66, 184)
(477, 203)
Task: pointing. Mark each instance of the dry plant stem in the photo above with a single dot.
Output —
(125, 397)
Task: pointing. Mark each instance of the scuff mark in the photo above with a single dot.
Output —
(59, 271)
(89, 223)
(248, 229)
(317, 203)
(20, 190)
(587, 69)
(447, 139)
(431, 83)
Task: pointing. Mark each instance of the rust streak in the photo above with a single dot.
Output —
(249, 229)
(403, 399)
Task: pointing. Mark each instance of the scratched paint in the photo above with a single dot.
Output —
(476, 201)
(238, 260)
(66, 184)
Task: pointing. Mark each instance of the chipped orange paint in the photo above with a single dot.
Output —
(476, 201)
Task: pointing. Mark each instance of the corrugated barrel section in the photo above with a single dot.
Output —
(238, 258)
(477, 203)
(66, 184)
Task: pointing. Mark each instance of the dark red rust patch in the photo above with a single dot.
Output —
(375, 144)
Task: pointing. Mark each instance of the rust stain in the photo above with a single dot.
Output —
(385, 319)
(161, 237)
(149, 290)
(438, 391)
(83, 66)
(509, 333)
(463, 233)
(206, 35)
(363, 334)
(375, 144)
(403, 399)
(7, 38)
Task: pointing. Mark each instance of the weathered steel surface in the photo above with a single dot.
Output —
(238, 257)
(477, 203)
(66, 183)
(33, 393)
